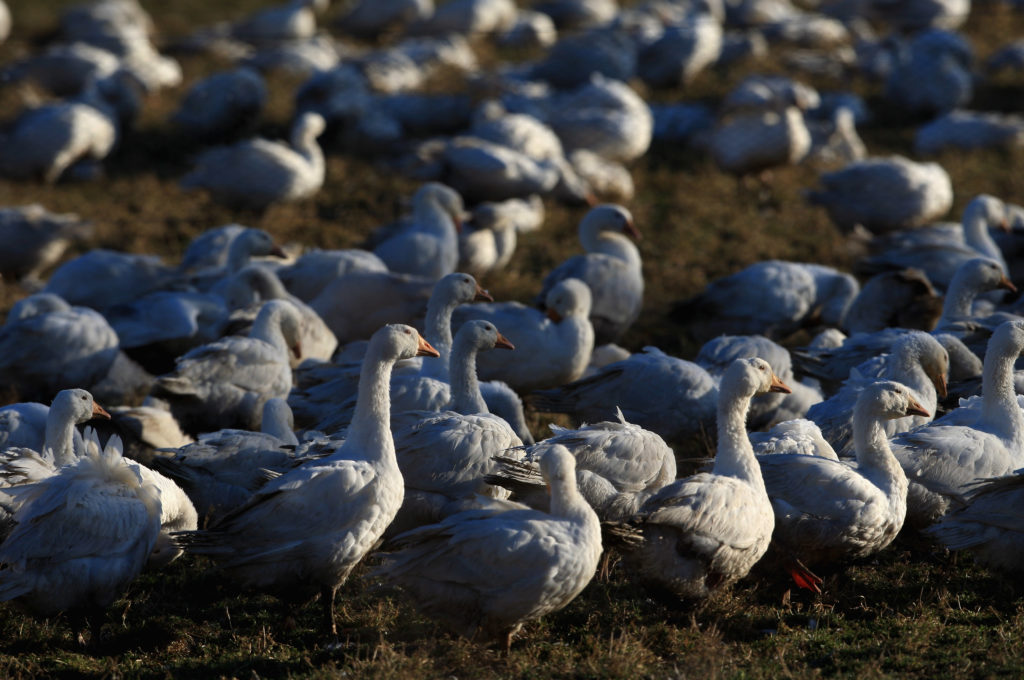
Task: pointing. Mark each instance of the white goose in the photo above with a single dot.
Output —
(313, 271)
(444, 456)
(943, 459)
(429, 247)
(222, 104)
(483, 573)
(226, 383)
(258, 172)
(703, 532)
(552, 348)
(611, 268)
(917, 360)
(80, 536)
(60, 442)
(303, 532)
(826, 510)
(35, 239)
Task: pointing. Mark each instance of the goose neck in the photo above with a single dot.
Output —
(370, 431)
(466, 397)
(267, 327)
(735, 456)
(959, 298)
(60, 433)
(875, 459)
(567, 502)
(998, 398)
(438, 332)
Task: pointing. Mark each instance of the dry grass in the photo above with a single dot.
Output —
(911, 613)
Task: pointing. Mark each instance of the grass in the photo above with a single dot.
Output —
(912, 612)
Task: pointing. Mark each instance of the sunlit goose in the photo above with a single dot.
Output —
(35, 239)
(772, 298)
(970, 130)
(915, 15)
(917, 360)
(222, 104)
(902, 194)
(293, 20)
(248, 289)
(703, 532)
(826, 510)
(489, 242)
(669, 396)
(80, 537)
(483, 573)
(611, 268)
(799, 436)
(103, 278)
(225, 383)
(754, 141)
(59, 442)
(681, 52)
(619, 465)
(976, 276)
(468, 17)
(989, 525)
(258, 172)
(222, 470)
(429, 246)
(943, 460)
(313, 271)
(46, 345)
(303, 532)
(444, 456)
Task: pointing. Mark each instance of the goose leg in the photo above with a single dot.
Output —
(327, 602)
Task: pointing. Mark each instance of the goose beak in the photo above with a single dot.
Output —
(278, 251)
(1007, 284)
(553, 315)
(425, 349)
(1004, 225)
(779, 386)
(915, 409)
(631, 231)
(503, 343)
(99, 412)
(297, 349)
(940, 384)
(482, 295)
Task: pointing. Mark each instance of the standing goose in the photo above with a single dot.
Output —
(303, 532)
(827, 510)
(944, 458)
(611, 267)
(258, 172)
(483, 573)
(703, 532)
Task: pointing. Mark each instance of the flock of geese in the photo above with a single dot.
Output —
(286, 416)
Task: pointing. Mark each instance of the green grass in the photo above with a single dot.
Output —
(912, 612)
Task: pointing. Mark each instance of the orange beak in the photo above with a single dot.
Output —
(915, 409)
(278, 251)
(1004, 224)
(482, 295)
(553, 315)
(778, 385)
(631, 231)
(503, 343)
(1007, 284)
(425, 349)
(297, 349)
(99, 412)
(940, 385)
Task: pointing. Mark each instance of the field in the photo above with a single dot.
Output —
(916, 611)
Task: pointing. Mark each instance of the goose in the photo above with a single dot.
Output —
(703, 532)
(257, 172)
(773, 298)
(482, 170)
(619, 465)
(145, 429)
(47, 345)
(484, 572)
(917, 360)
(209, 249)
(932, 73)
(313, 271)
(530, 30)
(414, 386)
(943, 458)
(916, 15)
(102, 278)
(225, 383)
(752, 142)
(669, 396)
(611, 268)
(988, 525)
(222, 104)
(607, 179)
(826, 510)
(770, 93)
(242, 248)
(80, 537)
(681, 52)
(554, 346)
(249, 288)
(65, 69)
(369, 18)
(444, 455)
(429, 247)
(35, 239)
(487, 242)
(903, 194)
(903, 298)
(977, 275)
(969, 130)
(223, 469)
(57, 440)
(798, 436)
(295, 20)
(305, 531)
(467, 17)
(355, 304)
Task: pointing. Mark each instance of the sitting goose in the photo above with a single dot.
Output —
(35, 239)
(611, 268)
(703, 532)
(429, 246)
(257, 172)
(484, 572)
(59, 443)
(305, 531)
(827, 510)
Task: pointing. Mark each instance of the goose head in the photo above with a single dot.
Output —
(307, 128)
(888, 400)
(459, 288)
(483, 335)
(435, 194)
(253, 242)
(750, 376)
(606, 218)
(981, 274)
(34, 305)
(286, 317)
(79, 405)
(986, 210)
(929, 352)
(569, 298)
(558, 466)
(398, 341)
(1007, 339)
